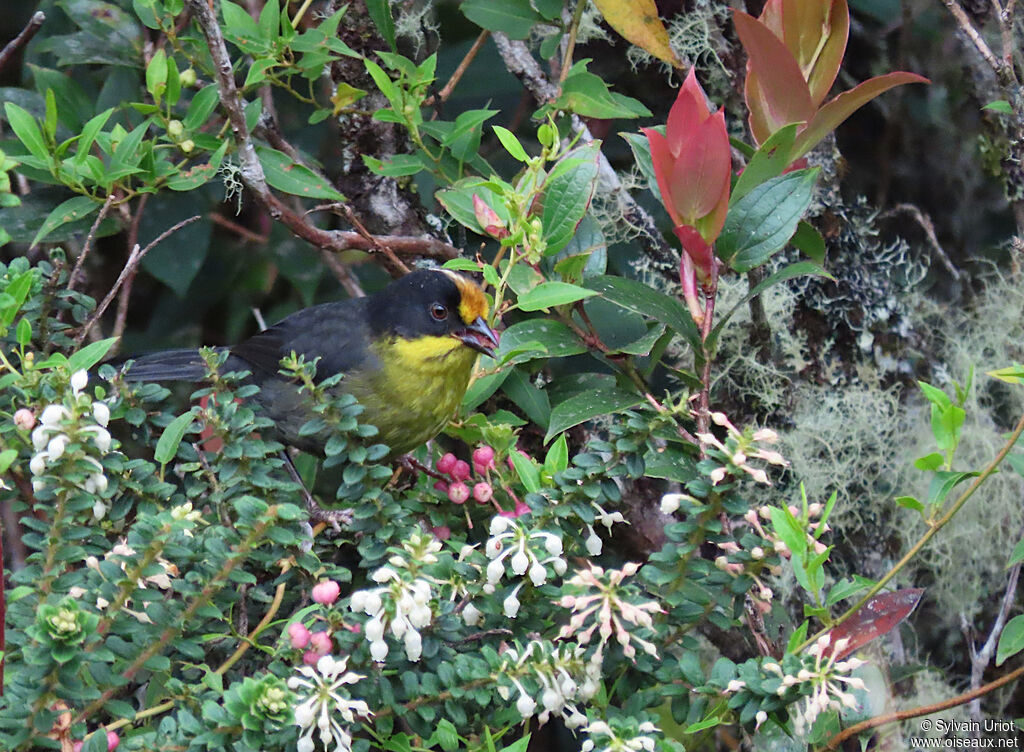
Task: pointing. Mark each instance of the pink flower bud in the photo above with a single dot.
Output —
(310, 657)
(483, 457)
(326, 592)
(112, 741)
(446, 463)
(441, 486)
(458, 492)
(483, 492)
(77, 746)
(442, 532)
(521, 509)
(489, 220)
(320, 643)
(461, 470)
(25, 419)
(298, 635)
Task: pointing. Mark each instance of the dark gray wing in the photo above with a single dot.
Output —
(337, 333)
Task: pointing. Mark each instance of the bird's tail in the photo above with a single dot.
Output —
(166, 365)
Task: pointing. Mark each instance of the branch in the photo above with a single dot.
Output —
(903, 715)
(960, 15)
(23, 38)
(252, 175)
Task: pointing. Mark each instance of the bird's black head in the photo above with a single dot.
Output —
(434, 303)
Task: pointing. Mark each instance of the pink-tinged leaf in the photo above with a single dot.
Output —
(697, 249)
(829, 117)
(701, 170)
(710, 225)
(662, 161)
(877, 617)
(688, 111)
(781, 92)
(826, 66)
(688, 280)
(484, 214)
(771, 16)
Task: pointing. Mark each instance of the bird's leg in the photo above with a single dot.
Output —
(333, 517)
(412, 465)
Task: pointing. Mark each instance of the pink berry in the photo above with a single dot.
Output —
(310, 657)
(521, 509)
(77, 746)
(446, 463)
(442, 532)
(458, 492)
(483, 457)
(441, 486)
(326, 592)
(461, 470)
(483, 492)
(298, 635)
(320, 643)
(24, 419)
(112, 741)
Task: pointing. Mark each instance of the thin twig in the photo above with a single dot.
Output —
(243, 232)
(446, 91)
(926, 224)
(937, 707)
(23, 38)
(378, 246)
(933, 527)
(134, 258)
(964, 22)
(251, 171)
(570, 45)
(124, 298)
(87, 246)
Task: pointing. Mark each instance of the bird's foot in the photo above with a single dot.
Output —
(333, 517)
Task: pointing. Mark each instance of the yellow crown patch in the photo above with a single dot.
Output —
(473, 302)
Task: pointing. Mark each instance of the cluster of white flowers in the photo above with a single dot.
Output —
(410, 612)
(739, 448)
(323, 703)
(552, 668)
(513, 542)
(123, 552)
(60, 426)
(609, 741)
(606, 602)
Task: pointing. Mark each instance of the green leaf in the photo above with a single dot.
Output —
(90, 355)
(999, 105)
(930, 462)
(464, 138)
(291, 177)
(642, 156)
(557, 458)
(513, 17)
(771, 158)
(27, 130)
(944, 482)
(527, 471)
(167, 445)
(7, 456)
(532, 401)
(511, 143)
(200, 174)
(587, 95)
(637, 297)
(909, 502)
(380, 14)
(1017, 555)
(50, 120)
(401, 165)
(458, 201)
(789, 529)
(567, 194)
(89, 133)
(808, 240)
(16, 293)
(934, 395)
(258, 70)
(763, 221)
(587, 405)
(23, 332)
(68, 211)
(843, 590)
(156, 75)
(798, 637)
(538, 338)
(550, 294)
(201, 107)
(1011, 641)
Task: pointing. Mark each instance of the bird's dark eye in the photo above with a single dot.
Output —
(439, 312)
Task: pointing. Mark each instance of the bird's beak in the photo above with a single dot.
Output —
(479, 336)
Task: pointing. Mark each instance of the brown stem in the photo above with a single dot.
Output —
(87, 246)
(23, 38)
(121, 317)
(442, 96)
(129, 268)
(964, 22)
(937, 707)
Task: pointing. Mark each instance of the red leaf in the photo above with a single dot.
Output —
(698, 249)
(662, 161)
(877, 617)
(688, 112)
(826, 66)
(777, 93)
(702, 169)
(829, 117)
